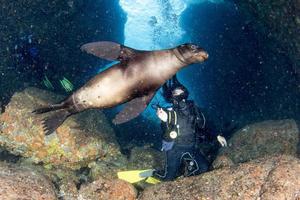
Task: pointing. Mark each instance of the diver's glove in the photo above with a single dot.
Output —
(222, 141)
(147, 173)
(162, 115)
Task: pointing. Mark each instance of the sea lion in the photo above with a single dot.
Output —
(135, 79)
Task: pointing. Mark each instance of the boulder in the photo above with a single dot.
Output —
(140, 158)
(82, 139)
(107, 168)
(262, 139)
(24, 183)
(107, 189)
(273, 178)
(222, 161)
(68, 190)
(145, 158)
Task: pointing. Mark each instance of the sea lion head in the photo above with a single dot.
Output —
(191, 53)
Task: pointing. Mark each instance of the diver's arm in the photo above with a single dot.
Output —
(202, 124)
(216, 136)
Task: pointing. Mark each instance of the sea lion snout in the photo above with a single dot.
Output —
(192, 53)
(203, 55)
(199, 53)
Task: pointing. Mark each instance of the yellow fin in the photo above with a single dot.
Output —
(132, 176)
(152, 180)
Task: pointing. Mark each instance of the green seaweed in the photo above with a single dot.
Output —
(54, 148)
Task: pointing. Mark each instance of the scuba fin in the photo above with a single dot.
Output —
(66, 84)
(47, 83)
(134, 176)
(152, 180)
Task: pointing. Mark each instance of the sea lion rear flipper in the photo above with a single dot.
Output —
(133, 108)
(109, 50)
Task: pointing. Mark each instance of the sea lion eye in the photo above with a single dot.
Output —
(193, 47)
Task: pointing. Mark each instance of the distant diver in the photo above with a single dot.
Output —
(27, 56)
(29, 63)
(134, 80)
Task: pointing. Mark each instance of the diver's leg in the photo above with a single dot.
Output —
(201, 162)
(171, 167)
(193, 162)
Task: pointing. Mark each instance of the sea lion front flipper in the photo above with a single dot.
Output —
(109, 50)
(133, 108)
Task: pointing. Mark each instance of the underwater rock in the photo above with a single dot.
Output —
(222, 161)
(68, 190)
(140, 158)
(107, 189)
(277, 21)
(145, 158)
(81, 140)
(273, 178)
(24, 183)
(107, 168)
(64, 179)
(262, 139)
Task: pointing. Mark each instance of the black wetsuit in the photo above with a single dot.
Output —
(182, 151)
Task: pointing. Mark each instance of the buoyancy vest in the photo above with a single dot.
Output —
(180, 126)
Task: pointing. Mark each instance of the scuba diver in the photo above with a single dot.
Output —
(30, 64)
(184, 128)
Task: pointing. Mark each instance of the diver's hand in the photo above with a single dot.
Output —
(162, 115)
(222, 141)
